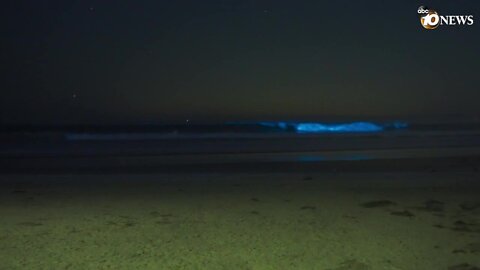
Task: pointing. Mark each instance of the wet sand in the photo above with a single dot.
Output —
(420, 219)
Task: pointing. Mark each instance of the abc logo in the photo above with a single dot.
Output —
(429, 18)
(422, 10)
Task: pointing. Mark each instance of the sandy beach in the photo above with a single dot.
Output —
(320, 220)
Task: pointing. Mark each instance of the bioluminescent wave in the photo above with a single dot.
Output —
(235, 129)
(349, 127)
(314, 127)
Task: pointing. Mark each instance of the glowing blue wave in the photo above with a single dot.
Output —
(312, 127)
(349, 127)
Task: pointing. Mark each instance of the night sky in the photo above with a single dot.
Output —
(124, 62)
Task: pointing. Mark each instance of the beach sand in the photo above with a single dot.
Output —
(320, 220)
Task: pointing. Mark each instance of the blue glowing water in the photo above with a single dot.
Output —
(348, 127)
(234, 128)
(313, 127)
